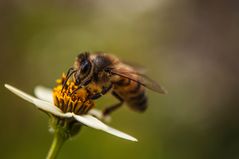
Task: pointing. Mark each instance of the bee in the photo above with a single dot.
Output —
(110, 74)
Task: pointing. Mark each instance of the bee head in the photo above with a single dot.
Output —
(83, 66)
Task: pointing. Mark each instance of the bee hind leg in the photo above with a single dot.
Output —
(108, 110)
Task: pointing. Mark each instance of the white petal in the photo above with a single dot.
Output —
(43, 93)
(43, 105)
(21, 94)
(99, 115)
(96, 112)
(49, 107)
(120, 134)
(91, 121)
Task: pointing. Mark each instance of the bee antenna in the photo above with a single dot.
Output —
(68, 75)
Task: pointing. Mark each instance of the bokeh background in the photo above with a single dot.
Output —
(189, 46)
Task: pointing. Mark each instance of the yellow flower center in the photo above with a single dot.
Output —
(77, 102)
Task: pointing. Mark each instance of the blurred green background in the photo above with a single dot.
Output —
(189, 46)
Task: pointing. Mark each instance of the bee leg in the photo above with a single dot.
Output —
(112, 108)
(103, 92)
(80, 86)
(70, 72)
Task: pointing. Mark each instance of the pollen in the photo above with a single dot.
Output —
(77, 102)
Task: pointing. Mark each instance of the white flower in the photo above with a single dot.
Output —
(44, 102)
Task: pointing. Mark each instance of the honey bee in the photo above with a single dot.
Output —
(109, 73)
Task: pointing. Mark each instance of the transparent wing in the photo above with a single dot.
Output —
(140, 78)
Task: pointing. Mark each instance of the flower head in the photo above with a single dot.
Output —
(67, 108)
(64, 98)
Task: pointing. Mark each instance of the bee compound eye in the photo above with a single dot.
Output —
(85, 66)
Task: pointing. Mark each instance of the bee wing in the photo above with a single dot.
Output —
(140, 78)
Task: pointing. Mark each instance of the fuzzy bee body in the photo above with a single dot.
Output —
(106, 73)
(133, 93)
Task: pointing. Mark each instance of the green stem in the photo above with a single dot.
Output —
(56, 145)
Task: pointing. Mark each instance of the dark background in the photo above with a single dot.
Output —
(190, 46)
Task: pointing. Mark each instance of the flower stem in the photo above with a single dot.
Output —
(56, 145)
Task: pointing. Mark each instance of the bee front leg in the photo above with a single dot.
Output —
(103, 92)
(112, 108)
(80, 85)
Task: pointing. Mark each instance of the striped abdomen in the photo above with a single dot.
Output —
(133, 93)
